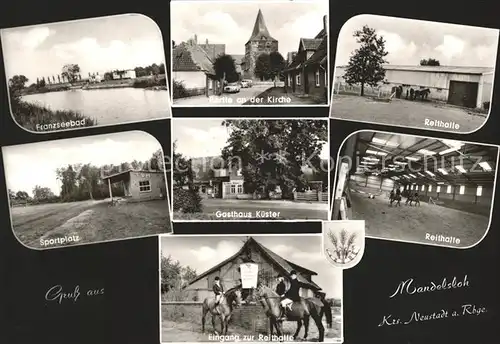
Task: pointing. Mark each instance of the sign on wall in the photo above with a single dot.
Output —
(249, 272)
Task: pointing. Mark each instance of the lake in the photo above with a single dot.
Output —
(108, 106)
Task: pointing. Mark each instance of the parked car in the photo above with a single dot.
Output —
(246, 83)
(232, 87)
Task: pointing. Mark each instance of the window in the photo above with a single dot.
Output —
(233, 188)
(448, 189)
(479, 191)
(438, 188)
(423, 188)
(316, 78)
(240, 188)
(297, 79)
(144, 186)
(462, 189)
(430, 188)
(238, 172)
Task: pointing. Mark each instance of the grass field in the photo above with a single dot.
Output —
(92, 221)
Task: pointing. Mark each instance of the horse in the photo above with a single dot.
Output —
(393, 197)
(224, 309)
(412, 198)
(301, 312)
(422, 94)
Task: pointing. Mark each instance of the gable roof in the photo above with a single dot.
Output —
(310, 43)
(260, 29)
(285, 265)
(320, 55)
(187, 57)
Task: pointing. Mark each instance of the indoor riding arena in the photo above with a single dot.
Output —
(416, 189)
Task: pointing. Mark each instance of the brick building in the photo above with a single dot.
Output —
(259, 42)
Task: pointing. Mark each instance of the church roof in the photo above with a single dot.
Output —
(260, 29)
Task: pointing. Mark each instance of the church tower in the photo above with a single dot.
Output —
(260, 42)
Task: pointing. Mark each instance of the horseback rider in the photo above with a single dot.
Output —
(218, 290)
(391, 195)
(292, 294)
(281, 290)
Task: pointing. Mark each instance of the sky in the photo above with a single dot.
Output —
(96, 45)
(204, 252)
(201, 138)
(32, 164)
(231, 23)
(408, 41)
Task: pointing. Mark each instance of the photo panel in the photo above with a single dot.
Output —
(416, 189)
(414, 73)
(252, 271)
(86, 190)
(237, 170)
(260, 53)
(86, 73)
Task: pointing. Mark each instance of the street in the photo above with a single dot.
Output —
(230, 99)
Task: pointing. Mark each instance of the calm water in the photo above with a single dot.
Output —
(108, 106)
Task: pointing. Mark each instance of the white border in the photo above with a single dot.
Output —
(432, 138)
(168, 110)
(90, 243)
(272, 220)
(422, 127)
(161, 236)
(208, 104)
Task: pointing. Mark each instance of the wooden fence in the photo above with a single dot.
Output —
(311, 196)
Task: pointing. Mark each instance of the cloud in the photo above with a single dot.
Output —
(452, 46)
(29, 39)
(207, 257)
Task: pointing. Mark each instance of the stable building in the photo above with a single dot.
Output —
(270, 265)
(139, 185)
(469, 87)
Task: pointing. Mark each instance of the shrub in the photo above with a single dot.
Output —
(179, 90)
(187, 201)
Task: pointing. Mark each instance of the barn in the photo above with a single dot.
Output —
(270, 265)
(139, 185)
(468, 87)
(455, 182)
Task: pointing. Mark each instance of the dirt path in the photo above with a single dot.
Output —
(400, 112)
(413, 223)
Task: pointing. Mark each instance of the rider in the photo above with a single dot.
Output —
(281, 290)
(292, 294)
(218, 290)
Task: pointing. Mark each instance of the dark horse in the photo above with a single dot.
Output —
(231, 298)
(394, 197)
(422, 94)
(301, 312)
(412, 198)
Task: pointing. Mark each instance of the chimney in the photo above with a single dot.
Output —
(206, 42)
(325, 24)
(195, 39)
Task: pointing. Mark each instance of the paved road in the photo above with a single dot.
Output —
(402, 112)
(230, 99)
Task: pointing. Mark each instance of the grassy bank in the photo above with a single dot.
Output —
(30, 115)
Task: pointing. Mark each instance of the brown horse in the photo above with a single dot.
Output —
(231, 298)
(301, 312)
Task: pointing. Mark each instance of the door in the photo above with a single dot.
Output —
(306, 82)
(463, 93)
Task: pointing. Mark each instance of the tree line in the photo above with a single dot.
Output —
(366, 64)
(174, 276)
(81, 182)
(71, 73)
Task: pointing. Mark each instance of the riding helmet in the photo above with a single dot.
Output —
(217, 278)
(293, 272)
